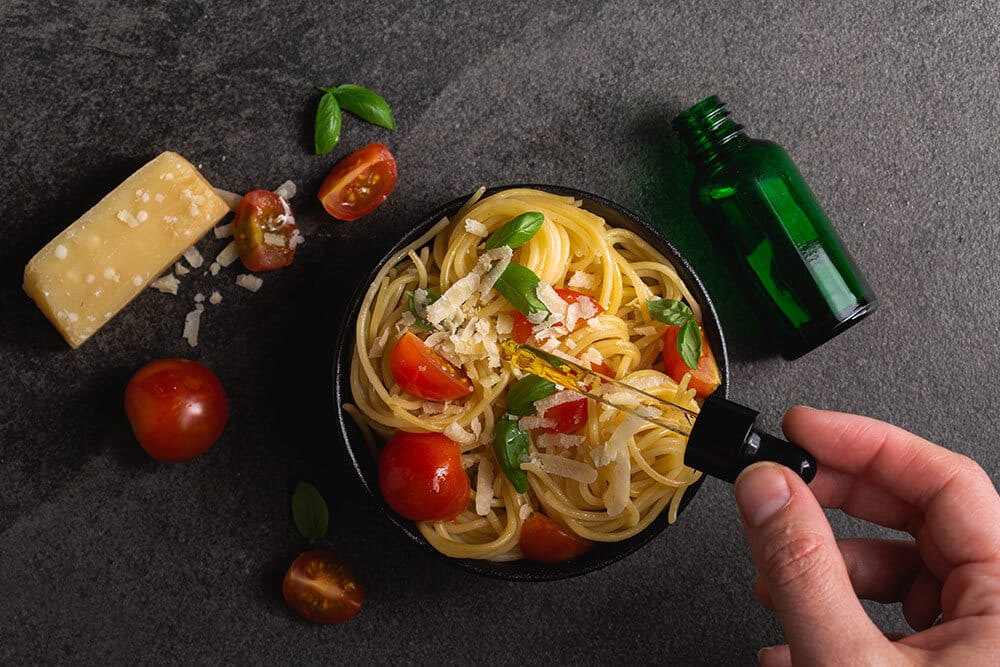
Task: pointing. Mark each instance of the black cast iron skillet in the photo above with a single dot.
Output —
(367, 468)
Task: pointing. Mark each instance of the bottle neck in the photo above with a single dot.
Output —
(708, 132)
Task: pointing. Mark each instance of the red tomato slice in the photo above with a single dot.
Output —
(359, 182)
(264, 229)
(545, 541)
(522, 329)
(177, 409)
(422, 478)
(422, 372)
(603, 369)
(705, 379)
(569, 416)
(322, 588)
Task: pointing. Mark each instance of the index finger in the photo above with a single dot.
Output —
(959, 502)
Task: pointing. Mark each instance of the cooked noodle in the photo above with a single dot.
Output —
(574, 248)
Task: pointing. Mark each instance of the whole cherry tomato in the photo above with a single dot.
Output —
(322, 588)
(264, 231)
(522, 330)
(545, 541)
(422, 478)
(359, 182)
(704, 379)
(422, 372)
(177, 409)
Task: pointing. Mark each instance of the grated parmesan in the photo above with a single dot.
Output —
(455, 432)
(617, 445)
(227, 255)
(583, 279)
(559, 440)
(453, 298)
(192, 325)
(249, 281)
(535, 421)
(564, 467)
(505, 324)
(166, 284)
(543, 405)
(484, 487)
(193, 257)
(223, 231)
(286, 190)
(180, 269)
(215, 299)
(475, 227)
(231, 198)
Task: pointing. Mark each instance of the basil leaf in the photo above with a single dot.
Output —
(516, 232)
(522, 394)
(670, 311)
(511, 445)
(689, 343)
(326, 133)
(519, 285)
(421, 321)
(309, 511)
(365, 104)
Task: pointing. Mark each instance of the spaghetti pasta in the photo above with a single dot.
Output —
(610, 479)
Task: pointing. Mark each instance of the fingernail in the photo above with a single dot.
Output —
(761, 490)
(764, 651)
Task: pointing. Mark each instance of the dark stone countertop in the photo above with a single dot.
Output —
(107, 557)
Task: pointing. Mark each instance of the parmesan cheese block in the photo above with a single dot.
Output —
(94, 267)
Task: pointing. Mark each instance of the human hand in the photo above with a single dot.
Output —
(883, 474)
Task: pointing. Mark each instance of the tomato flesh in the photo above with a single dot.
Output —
(264, 231)
(545, 541)
(359, 182)
(705, 379)
(177, 409)
(568, 417)
(422, 372)
(422, 478)
(523, 329)
(322, 588)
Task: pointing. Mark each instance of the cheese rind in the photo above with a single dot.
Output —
(94, 267)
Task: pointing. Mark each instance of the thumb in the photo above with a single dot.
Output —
(796, 554)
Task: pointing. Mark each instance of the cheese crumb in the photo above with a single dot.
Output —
(129, 219)
(215, 298)
(199, 297)
(214, 268)
(61, 251)
(192, 325)
(223, 231)
(286, 190)
(137, 280)
(180, 269)
(475, 227)
(193, 257)
(274, 239)
(166, 284)
(249, 281)
(228, 255)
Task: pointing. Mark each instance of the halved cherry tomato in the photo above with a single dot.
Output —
(422, 478)
(569, 416)
(322, 588)
(522, 329)
(421, 371)
(264, 231)
(704, 379)
(359, 182)
(177, 409)
(545, 541)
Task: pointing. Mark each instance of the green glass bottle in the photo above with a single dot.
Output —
(755, 204)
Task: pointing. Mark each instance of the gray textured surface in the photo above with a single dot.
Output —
(107, 557)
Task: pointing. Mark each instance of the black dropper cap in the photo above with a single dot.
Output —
(724, 441)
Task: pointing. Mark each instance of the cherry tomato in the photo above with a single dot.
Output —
(421, 476)
(569, 416)
(359, 182)
(545, 541)
(422, 372)
(322, 588)
(264, 230)
(603, 369)
(177, 409)
(704, 379)
(522, 329)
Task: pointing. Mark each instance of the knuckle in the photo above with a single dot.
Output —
(792, 559)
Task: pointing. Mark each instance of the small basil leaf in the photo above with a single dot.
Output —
(522, 394)
(309, 511)
(422, 322)
(689, 343)
(511, 445)
(670, 311)
(365, 104)
(516, 232)
(326, 133)
(519, 285)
